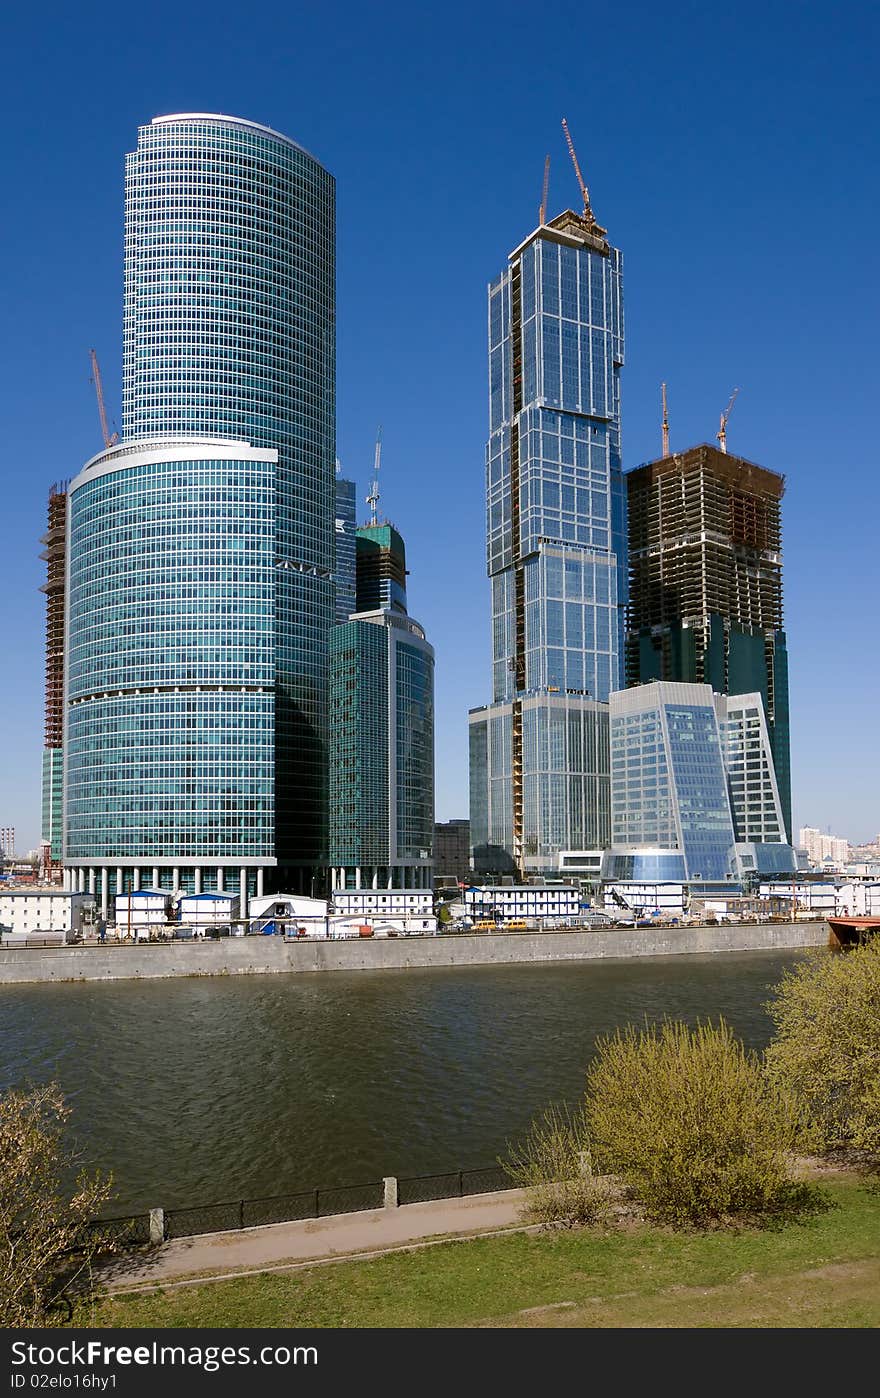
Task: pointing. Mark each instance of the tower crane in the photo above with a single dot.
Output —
(665, 423)
(721, 434)
(110, 439)
(542, 212)
(373, 497)
(585, 193)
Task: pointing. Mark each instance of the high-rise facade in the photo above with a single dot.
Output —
(694, 798)
(705, 566)
(382, 729)
(201, 548)
(346, 549)
(556, 549)
(55, 554)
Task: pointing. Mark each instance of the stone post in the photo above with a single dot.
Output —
(157, 1226)
(391, 1192)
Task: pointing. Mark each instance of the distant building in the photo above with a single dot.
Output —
(7, 841)
(452, 849)
(705, 584)
(823, 849)
(381, 730)
(26, 910)
(55, 556)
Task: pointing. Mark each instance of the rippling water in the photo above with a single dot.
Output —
(199, 1089)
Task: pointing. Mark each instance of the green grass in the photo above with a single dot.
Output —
(821, 1272)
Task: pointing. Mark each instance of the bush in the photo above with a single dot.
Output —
(827, 1047)
(692, 1124)
(46, 1251)
(554, 1165)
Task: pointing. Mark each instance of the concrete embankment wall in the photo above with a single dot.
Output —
(269, 955)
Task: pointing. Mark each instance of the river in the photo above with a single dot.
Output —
(227, 1087)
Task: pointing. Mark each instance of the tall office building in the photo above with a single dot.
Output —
(201, 548)
(705, 566)
(556, 549)
(55, 556)
(382, 729)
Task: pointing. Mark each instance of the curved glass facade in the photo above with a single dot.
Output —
(229, 331)
(170, 657)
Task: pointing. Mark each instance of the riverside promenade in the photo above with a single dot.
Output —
(237, 956)
(285, 1246)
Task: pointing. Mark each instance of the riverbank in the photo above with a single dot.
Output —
(233, 956)
(823, 1271)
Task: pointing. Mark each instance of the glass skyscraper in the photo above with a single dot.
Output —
(382, 729)
(556, 549)
(201, 549)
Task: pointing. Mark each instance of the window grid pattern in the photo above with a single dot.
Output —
(229, 330)
(750, 778)
(170, 680)
(414, 678)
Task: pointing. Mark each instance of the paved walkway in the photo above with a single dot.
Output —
(371, 1231)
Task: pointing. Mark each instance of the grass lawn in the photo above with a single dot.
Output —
(821, 1272)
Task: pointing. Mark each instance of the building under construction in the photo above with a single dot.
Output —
(705, 583)
(54, 543)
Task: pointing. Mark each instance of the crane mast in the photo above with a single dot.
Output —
(373, 497)
(110, 439)
(721, 434)
(542, 212)
(665, 422)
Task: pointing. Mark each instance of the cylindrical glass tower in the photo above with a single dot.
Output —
(229, 336)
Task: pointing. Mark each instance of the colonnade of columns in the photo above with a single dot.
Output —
(96, 881)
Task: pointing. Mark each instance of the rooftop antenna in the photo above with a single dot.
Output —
(665, 422)
(542, 212)
(721, 434)
(373, 497)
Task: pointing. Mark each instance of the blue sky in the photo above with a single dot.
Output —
(731, 152)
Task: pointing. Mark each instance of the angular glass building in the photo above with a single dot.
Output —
(201, 549)
(694, 797)
(556, 549)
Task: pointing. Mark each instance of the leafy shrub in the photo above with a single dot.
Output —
(827, 1046)
(692, 1124)
(554, 1165)
(46, 1250)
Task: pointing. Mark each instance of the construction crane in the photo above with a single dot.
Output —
(542, 212)
(585, 193)
(721, 434)
(110, 439)
(373, 497)
(665, 422)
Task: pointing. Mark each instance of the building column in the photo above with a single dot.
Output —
(104, 892)
(259, 883)
(220, 888)
(175, 879)
(80, 880)
(136, 880)
(155, 878)
(375, 883)
(197, 879)
(242, 894)
(92, 882)
(118, 880)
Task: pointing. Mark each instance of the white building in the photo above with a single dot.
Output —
(821, 847)
(523, 902)
(44, 910)
(204, 911)
(139, 911)
(407, 910)
(642, 898)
